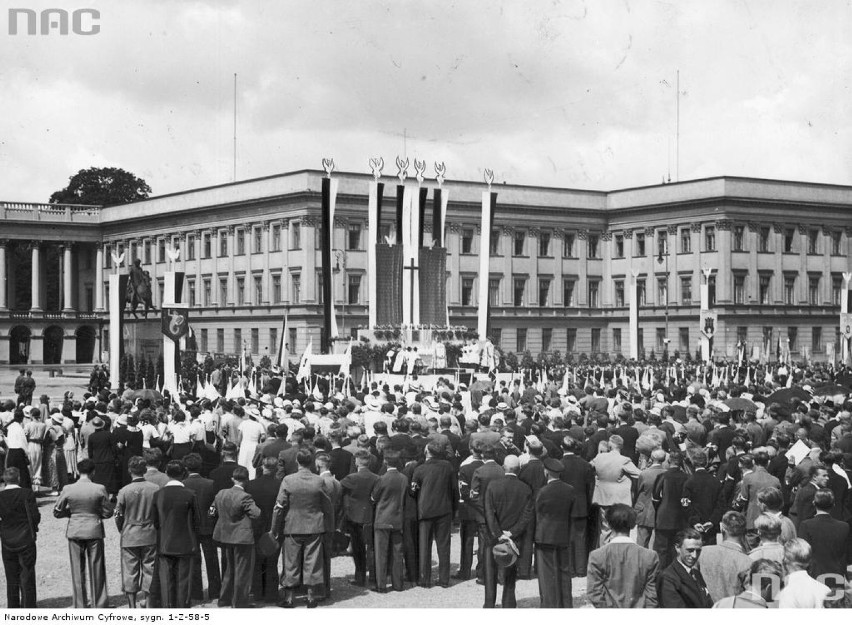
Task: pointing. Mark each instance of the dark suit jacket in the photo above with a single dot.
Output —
(553, 511)
(677, 589)
(19, 518)
(630, 435)
(508, 506)
(668, 491)
(803, 506)
(705, 506)
(264, 491)
(389, 494)
(221, 476)
(591, 448)
(177, 522)
(205, 492)
(342, 463)
(721, 437)
(482, 477)
(827, 537)
(436, 488)
(101, 447)
(581, 475)
(466, 511)
(357, 487)
(533, 475)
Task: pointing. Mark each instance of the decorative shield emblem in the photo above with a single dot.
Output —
(708, 323)
(175, 322)
(846, 325)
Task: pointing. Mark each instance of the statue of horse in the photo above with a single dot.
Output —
(139, 292)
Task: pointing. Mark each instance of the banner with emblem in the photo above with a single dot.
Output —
(175, 322)
(846, 325)
(709, 319)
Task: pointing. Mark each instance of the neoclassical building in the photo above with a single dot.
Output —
(561, 262)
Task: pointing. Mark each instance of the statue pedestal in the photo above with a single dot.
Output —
(143, 338)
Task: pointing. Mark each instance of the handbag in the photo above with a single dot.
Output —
(266, 546)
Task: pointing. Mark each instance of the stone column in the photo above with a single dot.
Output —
(99, 278)
(4, 304)
(35, 299)
(67, 280)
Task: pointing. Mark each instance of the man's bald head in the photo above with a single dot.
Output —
(512, 465)
(658, 455)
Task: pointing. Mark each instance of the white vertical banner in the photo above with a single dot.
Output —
(844, 310)
(116, 309)
(372, 239)
(332, 201)
(409, 256)
(633, 328)
(484, 265)
(170, 382)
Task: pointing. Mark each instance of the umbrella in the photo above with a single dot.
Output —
(740, 403)
(844, 378)
(147, 393)
(832, 389)
(787, 395)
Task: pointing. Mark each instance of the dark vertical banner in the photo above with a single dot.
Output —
(123, 281)
(326, 232)
(380, 190)
(389, 284)
(178, 294)
(487, 275)
(400, 194)
(437, 222)
(433, 286)
(421, 206)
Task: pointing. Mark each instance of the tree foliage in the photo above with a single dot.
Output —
(103, 186)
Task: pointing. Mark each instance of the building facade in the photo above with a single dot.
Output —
(560, 268)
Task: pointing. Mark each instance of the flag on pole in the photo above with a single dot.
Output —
(282, 359)
(347, 362)
(304, 363)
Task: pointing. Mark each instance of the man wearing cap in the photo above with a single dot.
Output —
(102, 452)
(508, 511)
(554, 503)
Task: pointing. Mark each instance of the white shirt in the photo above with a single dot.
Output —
(15, 437)
(802, 591)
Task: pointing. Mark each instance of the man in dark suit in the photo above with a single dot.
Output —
(467, 516)
(803, 505)
(482, 477)
(389, 494)
(554, 505)
(671, 513)
(628, 433)
(622, 574)
(221, 475)
(342, 461)
(508, 510)
(85, 504)
(205, 492)
(701, 493)
(264, 490)
(681, 585)
(101, 447)
(600, 434)
(234, 510)
(827, 537)
(436, 488)
(19, 519)
(532, 474)
(644, 500)
(176, 518)
(358, 512)
(581, 475)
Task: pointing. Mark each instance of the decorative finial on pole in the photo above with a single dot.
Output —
(441, 172)
(328, 166)
(402, 166)
(489, 177)
(117, 259)
(173, 255)
(377, 164)
(420, 168)
(707, 271)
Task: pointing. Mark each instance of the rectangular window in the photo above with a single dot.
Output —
(255, 341)
(241, 242)
(273, 341)
(764, 289)
(594, 240)
(594, 287)
(661, 340)
(711, 290)
(257, 240)
(190, 287)
(275, 246)
(662, 291)
(258, 290)
(494, 243)
(789, 290)
(521, 340)
(571, 340)
(742, 336)
(496, 336)
(544, 291)
(295, 235)
(568, 245)
(296, 282)
(353, 237)
(203, 339)
(546, 339)
(276, 288)
(596, 340)
(739, 289)
(146, 252)
(619, 293)
(836, 289)
(568, 293)
(813, 240)
(640, 342)
(320, 293)
(639, 237)
(710, 238)
(223, 244)
(241, 291)
(354, 294)
(518, 243)
(494, 291)
(467, 291)
(619, 246)
(160, 290)
(685, 241)
(467, 241)
(816, 340)
(835, 244)
(161, 251)
(763, 239)
(813, 290)
(662, 243)
(683, 340)
(238, 340)
(792, 337)
(207, 292)
(294, 334)
(616, 340)
(789, 238)
(190, 247)
(544, 244)
(220, 340)
(207, 245)
(739, 238)
(520, 286)
(641, 292)
(686, 290)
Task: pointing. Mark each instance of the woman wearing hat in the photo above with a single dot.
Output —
(251, 433)
(55, 468)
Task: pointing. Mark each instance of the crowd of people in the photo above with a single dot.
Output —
(680, 493)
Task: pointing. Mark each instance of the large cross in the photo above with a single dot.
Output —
(412, 268)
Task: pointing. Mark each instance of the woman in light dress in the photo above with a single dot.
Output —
(252, 433)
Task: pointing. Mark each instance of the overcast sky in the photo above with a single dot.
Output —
(566, 94)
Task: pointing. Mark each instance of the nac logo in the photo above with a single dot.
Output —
(48, 21)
